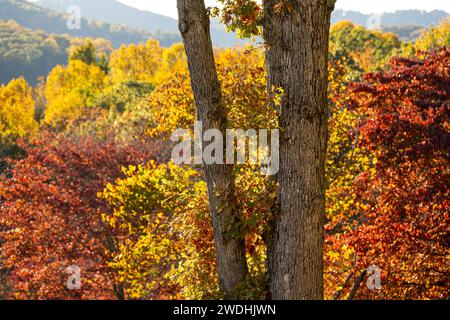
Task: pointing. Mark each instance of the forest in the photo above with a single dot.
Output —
(87, 180)
(36, 17)
(33, 39)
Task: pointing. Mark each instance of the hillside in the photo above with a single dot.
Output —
(24, 52)
(35, 17)
(40, 36)
(406, 33)
(112, 11)
(404, 23)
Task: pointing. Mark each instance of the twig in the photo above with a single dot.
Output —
(357, 285)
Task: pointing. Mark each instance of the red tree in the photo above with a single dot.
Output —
(50, 216)
(402, 226)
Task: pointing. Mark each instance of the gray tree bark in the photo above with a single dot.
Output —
(296, 36)
(297, 59)
(194, 26)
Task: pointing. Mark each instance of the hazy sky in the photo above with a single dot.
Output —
(168, 7)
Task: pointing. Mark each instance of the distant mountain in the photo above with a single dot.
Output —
(36, 17)
(398, 18)
(406, 33)
(407, 24)
(112, 11)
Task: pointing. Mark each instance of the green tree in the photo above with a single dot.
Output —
(88, 53)
(371, 49)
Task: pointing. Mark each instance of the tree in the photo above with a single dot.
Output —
(136, 62)
(172, 58)
(51, 217)
(70, 91)
(371, 49)
(146, 273)
(345, 161)
(16, 110)
(185, 208)
(296, 38)
(167, 246)
(17, 118)
(435, 37)
(87, 52)
(230, 251)
(401, 223)
(147, 206)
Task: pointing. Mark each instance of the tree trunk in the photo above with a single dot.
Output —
(194, 26)
(296, 36)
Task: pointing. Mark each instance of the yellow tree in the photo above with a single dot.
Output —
(16, 110)
(173, 58)
(194, 275)
(242, 75)
(136, 62)
(435, 37)
(182, 263)
(70, 91)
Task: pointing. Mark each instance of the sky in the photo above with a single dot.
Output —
(169, 8)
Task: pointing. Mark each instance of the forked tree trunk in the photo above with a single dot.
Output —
(296, 36)
(230, 252)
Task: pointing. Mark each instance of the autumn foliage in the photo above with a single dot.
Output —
(91, 184)
(51, 217)
(404, 212)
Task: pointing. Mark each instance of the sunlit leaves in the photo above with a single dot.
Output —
(50, 217)
(435, 37)
(70, 91)
(405, 195)
(370, 49)
(242, 16)
(136, 62)
(16, 110)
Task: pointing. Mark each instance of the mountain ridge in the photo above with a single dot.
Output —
(388, 19)
(35, 17)
(113, 11)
